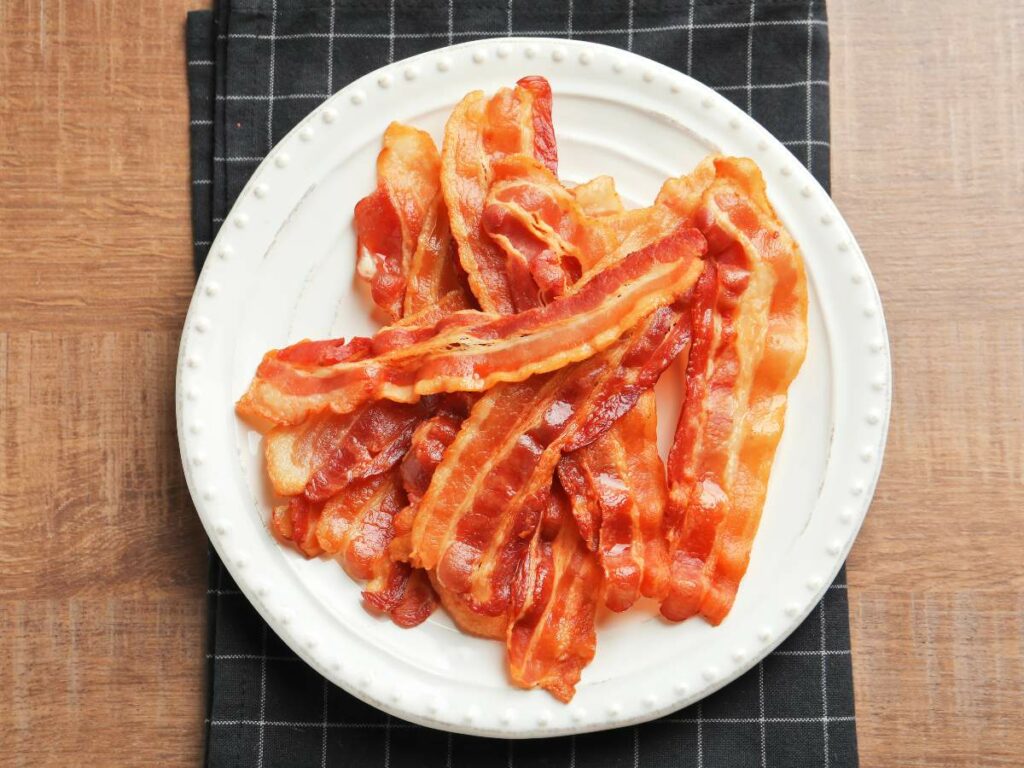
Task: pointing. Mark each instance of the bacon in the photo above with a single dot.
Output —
(618, 501)
(659, 340)
(545, 148)
(478, 132)
(356, 525)
(485, 498)
(749, 344)
(617, 489)
(473, 351)
(326, 452)
(474, 523)
(552, 636)
(402, 592)
(296, 522)
(389, 220)
(434, 273)
(327, 352)
(538, 223)
(598, 197)
(548, 231)
(429, 442)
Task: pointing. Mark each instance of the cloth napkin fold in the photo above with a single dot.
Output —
(255, 68)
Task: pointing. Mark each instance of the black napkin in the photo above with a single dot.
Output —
(256, 67)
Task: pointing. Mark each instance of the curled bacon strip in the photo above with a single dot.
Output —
(356, 525)
(552, 634)
(617, 489)
(478, 132)
(389, 220)
(541, 227)
(472, 351)
(749, 344)
(402, 592)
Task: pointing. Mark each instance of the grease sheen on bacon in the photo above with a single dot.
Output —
(472, 351)
(749, 344)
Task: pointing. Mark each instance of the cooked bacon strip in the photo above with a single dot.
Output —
(545, 148)
(474, 523)
(327, 352)
(325, 453)
(747, 350)
(389, 220)
(662, 337)
(472, 351)
(617, 489)
(675, 205)
(552, 636)
(479, 131)
(548, 231)
(355, 524)
(429, 442)
(486, 496)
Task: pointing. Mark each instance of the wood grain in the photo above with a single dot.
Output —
(928, 168)
(102, 560)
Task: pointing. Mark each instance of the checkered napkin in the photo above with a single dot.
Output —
(256, 67)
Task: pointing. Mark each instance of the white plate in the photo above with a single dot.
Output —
(282, 269)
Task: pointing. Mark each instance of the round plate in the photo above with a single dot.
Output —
(282, 269)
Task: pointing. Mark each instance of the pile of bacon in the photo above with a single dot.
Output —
(493, 448)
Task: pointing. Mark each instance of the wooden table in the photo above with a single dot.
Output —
(102, 561)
